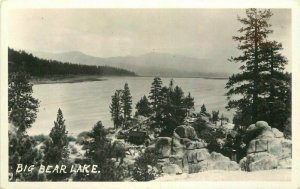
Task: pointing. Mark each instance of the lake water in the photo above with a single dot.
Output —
(85, 103)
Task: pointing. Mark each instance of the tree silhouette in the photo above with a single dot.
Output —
(56, 149)
(116, 109)
(143, 107)
(261, 63)
(22, 106)
(127, 103)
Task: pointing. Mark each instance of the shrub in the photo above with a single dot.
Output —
(146, 167)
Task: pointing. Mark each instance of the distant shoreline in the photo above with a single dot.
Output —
(203, 77)
(66, 79)
(90, 78)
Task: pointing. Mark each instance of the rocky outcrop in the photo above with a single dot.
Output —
(268, 150)
(163, 147)
(185, 152)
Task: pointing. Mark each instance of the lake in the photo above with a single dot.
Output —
(85, 103)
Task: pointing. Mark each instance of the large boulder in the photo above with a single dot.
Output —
(184, 131)
(163, 147)
(171, 169)
(259, 161)
(214, 161)
(194, 156)
(262, 125)
(277, 133)
(267, 149)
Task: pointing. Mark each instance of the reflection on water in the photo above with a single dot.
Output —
(83, 104)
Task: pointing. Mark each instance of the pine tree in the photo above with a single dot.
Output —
(127, 103)
(56, 149)
(256, 59)
(22, 106)
(143, 107)
(116, 109)
(189, 102)
(278, 85)
(98, 153)
(203, 110)
(155, 94)
(215, 116)
(22, 150)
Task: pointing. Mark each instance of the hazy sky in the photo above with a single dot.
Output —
(201, 33)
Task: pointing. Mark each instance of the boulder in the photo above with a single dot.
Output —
(214, 156)
(277, 133)
(262, 125)
(196, 145)
(194, 156)
(196, 167)
(184, 131)
(266, 133)
(285, 163)
(163, 147)
(172, 169)
(175, 159)
(251, 127)
(259, 161)
(224, 165)
(258, 145)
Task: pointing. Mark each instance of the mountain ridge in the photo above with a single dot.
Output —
(149, 64)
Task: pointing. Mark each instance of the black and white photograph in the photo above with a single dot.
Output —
(155, 94)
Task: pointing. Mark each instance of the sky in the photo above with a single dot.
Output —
(199, 33)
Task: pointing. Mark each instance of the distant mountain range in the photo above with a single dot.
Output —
(151, 64)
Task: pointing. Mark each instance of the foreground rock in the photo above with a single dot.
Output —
(268, 150)
(184, 152)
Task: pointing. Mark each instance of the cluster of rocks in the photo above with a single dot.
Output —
(268, 150)
(185, 152)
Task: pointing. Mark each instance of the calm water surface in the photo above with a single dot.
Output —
(83, 104)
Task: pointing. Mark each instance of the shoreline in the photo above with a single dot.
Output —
(66, 79)
(90, 78)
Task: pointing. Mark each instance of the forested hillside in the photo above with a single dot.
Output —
(46, 68)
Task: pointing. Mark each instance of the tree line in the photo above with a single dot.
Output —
(38, 67)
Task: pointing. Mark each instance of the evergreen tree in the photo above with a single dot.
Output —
(203, 110)
(98, 153)
(215, 116)
(277, 84)
(143, 107)
(127, 103)
(155, 94)
(173, 109)
(56, 149)
(116, 109)
(261, 63)
(189, 102)
(22, 106)
(22, 150)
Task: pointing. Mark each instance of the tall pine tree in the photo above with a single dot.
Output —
(277, 84)
(116, 109)
(127, 103)
(155, 94)
(251, 92)
(56, 149)
(143, 107)
(22, 106)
